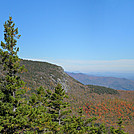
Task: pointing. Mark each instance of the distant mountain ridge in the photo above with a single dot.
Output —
(111, 82)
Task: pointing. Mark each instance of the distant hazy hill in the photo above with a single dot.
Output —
(112, 82)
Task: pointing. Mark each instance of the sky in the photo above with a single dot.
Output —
(79, 35)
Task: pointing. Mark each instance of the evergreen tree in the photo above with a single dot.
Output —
(10, 84)
(57, 108)
(39, 121)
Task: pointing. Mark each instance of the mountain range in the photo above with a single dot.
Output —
(111, 82)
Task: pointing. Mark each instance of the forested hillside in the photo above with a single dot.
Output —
(95, 101)
(49, 75)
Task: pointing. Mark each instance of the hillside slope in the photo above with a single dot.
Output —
(112, 82)
(48, 75)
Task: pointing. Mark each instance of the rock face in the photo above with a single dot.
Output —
(47, 75)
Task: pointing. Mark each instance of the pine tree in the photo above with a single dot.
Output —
(38, 118)
(57, 108)
(10, 84)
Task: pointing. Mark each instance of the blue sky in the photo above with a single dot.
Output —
(79, 35)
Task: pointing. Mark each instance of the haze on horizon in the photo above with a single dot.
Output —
(85, 36)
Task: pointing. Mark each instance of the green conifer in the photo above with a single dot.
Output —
(10, 84)
(58, 108)
(38, 119)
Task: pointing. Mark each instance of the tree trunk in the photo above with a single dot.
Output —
(14, 108)
(59, 118)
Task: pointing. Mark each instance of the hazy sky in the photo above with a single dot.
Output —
(79, 35)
